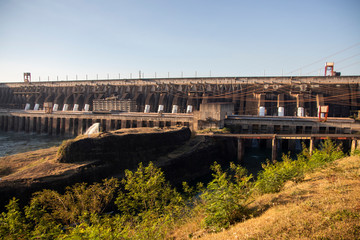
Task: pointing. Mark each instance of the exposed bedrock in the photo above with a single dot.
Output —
(181, 156)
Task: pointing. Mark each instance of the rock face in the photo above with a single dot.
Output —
(123, 150)
(181, 157)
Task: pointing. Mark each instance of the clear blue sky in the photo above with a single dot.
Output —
(224, 38)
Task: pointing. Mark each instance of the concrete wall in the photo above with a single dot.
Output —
(248, 94)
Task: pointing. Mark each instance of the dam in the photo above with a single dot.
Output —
(250, 105)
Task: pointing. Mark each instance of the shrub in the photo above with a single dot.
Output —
(76, 205)
(148, 202)
(226, 197)
(274, 174)
(12, 222)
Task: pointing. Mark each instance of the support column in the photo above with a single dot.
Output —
(261, 105)
(10, 123)
(21, 124)
(311, 147)
(62, 126)
(274, 149)
(38, 125)
(54, 126)
(240, 150)
(353, 145)
(80, 126)
(300, 105)
(319, 102)
(123, 123)
(6, 123)
(43, 125)
(108, 125)
(31, 125)
(281, 105)
(1, 122)
(50, 125)
(67, 127)
(27, 123)
(16, 124)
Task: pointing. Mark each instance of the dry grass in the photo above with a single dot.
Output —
(324, 206)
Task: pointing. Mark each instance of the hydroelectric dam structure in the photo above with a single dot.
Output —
(249, 105)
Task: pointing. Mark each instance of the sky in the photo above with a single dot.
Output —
(111, 39)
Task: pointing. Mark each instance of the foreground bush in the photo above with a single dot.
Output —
(147, 206)
(275, 174)
(226, 197)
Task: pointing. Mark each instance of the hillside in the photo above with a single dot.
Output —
(326, 205)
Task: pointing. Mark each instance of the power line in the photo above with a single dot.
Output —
(322, 59)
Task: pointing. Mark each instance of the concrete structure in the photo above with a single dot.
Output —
(76, 123)
(265, 96)
(253, 105)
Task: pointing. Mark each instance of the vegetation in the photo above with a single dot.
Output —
(143, 205)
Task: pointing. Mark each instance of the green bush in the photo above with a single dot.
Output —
(76, 205)
(274, 175)
(327, 152)
(226, 197)
(12, 223)
(148, 202)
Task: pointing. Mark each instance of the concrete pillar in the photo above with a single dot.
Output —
(67, 127)
(43, 125)
(147, 109)
(38, 125)
(174, 109)
(240, 150)
(55, 107)
(262, 111)
(189, 109)
(27, 124)
(281, 111)
(1, 122)
(80, 126)
(50, 125)
(86, 107)
(300, 105)
(274, 149)
(27, 106)
(261, 105)
(6, 122)
(319, 102)
(75, 126)
(156, 123)
(65, 107)
(36, 107)
(54, 126)
(10, 123)
(139, 123)
(76, 107)
(353, 145)
(108, 125)
(300, 112)
(281, 105)
(123, 123)
(16, 124)
(21, 124)
(160, 108)
(31, 124)
(311, 147)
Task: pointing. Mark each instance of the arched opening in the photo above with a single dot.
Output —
(79, 100)
(150, 103)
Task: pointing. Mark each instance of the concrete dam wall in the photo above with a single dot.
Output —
(264, 96)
